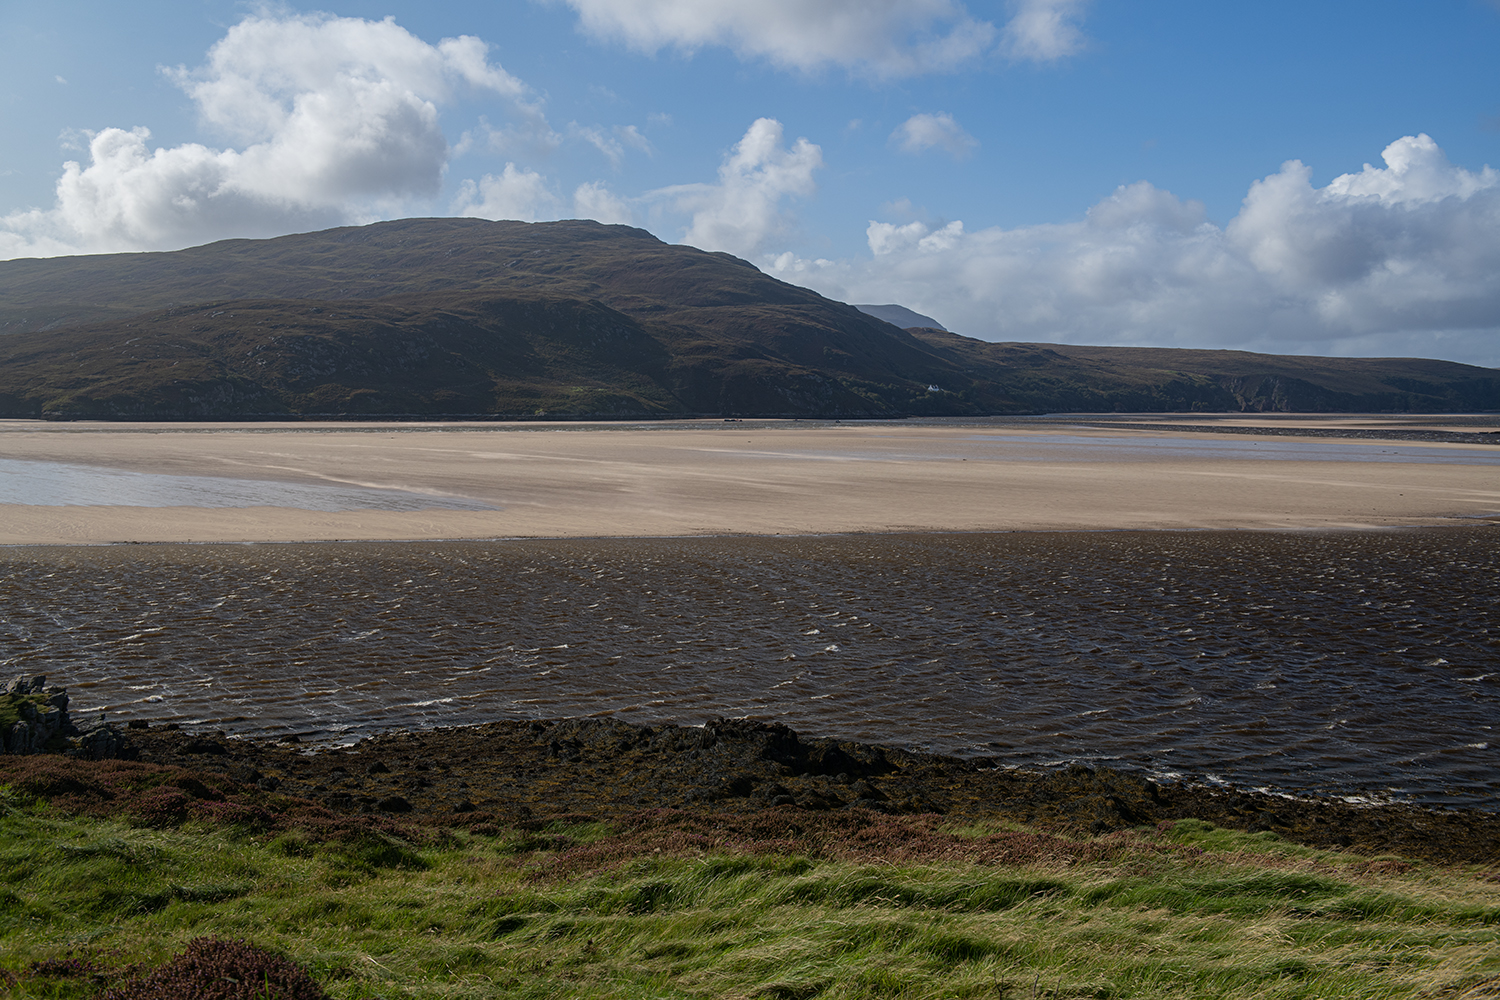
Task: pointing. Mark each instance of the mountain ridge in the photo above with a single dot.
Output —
(899, 315)
(464, 317)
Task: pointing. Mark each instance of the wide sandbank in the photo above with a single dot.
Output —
(776, 477)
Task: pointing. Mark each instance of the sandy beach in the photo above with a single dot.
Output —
(759, 477)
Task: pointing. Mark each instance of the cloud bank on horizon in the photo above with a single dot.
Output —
(1352, 268)
(327, 120)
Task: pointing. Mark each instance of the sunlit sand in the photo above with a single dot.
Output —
(779, 477)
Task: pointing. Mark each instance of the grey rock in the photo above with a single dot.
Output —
(101, 743)
(43, 715)
(18, 738)
(245, 773)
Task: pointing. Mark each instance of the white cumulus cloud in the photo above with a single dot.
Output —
(940, 131)
(882, 38)
(743, 211)
(513, 194)
(593, 200)
(1044, 30)
(1397, 260)
(335, 119)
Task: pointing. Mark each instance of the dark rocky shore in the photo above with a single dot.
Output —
(528, 773)
(519, 773)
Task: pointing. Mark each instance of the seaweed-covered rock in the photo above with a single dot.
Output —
(779, 744)
(103, 742)
(534, 772)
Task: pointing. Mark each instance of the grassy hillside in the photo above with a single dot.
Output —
(666, 904)
(468, 317)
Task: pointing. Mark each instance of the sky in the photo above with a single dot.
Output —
(1292, 178)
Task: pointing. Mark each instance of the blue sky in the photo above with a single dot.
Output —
(1292, 178)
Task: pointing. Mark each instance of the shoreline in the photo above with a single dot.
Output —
(746, 480)
(1478, 522)
(1222, 654)
(513, 772)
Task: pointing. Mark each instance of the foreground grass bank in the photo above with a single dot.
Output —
(654, 908)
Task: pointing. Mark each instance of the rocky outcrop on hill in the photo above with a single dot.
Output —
(33, 716)
(34, 719)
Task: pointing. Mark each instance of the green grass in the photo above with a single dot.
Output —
(1221, 915)
(10, 706)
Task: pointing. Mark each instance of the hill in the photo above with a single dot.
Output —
(900, 316)
(463, 317)
(1072, 379)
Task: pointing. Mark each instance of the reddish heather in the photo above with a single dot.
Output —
(213, 969)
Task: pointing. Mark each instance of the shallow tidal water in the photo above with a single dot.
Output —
(62, 484)
(1357, 663)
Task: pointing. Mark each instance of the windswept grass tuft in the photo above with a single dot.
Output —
(661, 906)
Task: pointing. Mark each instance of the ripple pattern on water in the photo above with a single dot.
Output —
(61, 484)
(1357, 663)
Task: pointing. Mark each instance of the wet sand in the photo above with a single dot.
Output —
(763, 477)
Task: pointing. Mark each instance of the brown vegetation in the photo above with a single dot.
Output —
(732, 783)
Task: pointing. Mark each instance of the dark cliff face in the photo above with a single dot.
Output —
(465, 317)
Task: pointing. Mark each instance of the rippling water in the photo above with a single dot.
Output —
(60, 484)
(1353, 663)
